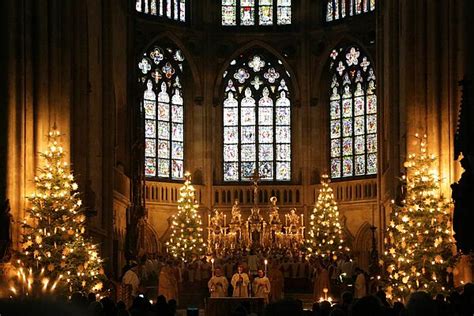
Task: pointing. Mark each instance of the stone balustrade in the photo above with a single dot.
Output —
(287, 195)
(363, 190)
(352, 191)
(167, 192)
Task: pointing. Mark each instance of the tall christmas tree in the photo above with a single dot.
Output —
(55, 255)
(419, 243)
(186, 226)
(326, 237)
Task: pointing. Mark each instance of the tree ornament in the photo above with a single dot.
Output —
(56, 225)
(325, 235)
(419, 246)
(186, 226)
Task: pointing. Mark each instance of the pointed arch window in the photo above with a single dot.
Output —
(256, 119)
(339, 9)
(170, 9)
(160, 71)
(256, 12)
(353, 114)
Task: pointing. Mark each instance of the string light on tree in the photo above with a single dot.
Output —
(326, 237)
(186, 226)
(418, 244)
(55, 255)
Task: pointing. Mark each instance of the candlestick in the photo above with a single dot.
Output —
(302, 220)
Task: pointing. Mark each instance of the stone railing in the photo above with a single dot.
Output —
(287, 195)
(352, 191)
(166, 192)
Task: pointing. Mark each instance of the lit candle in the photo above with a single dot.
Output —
(225, 220)
(212, 265)
(302, 220)
(266, 263)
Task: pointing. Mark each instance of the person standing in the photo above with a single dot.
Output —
(205, 271)
(277, 281)
(261, 286)
(322, 281)
(168, 282)
(131, 278)
(360, 288)
(218, 284)
(240, 282)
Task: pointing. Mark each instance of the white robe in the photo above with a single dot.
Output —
(241, 289)
(261, 288)
(131, 277)
(360, 288)
(218, 286)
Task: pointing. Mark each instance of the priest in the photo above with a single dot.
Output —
(240, 283)
(261, 286)
(168, 282)
(278, 282)
(218, 284)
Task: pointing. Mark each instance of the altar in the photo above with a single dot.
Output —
(264, 230)
(224, 306)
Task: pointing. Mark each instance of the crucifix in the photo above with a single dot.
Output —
(255, 178)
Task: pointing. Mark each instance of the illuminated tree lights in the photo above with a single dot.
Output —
(418, 244)
(186, 226)
(54, 254)
(326, 238)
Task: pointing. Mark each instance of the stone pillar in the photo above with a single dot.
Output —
(420, 59)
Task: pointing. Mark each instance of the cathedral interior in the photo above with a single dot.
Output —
(284, 92)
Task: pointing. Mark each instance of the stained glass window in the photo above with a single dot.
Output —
(256, 12)
(353, 114)
(339, 9)
(256, 119)
(160, 69)
(171, 9)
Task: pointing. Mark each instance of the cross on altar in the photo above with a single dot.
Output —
(255, 178)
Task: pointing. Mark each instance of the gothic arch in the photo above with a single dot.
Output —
(148, 242)
(362, 245)
(357, 154)
(218, 95)
(320, 78)
(169, 36)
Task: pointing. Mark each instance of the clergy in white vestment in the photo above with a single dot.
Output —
(218, 284)
(168, 282)
(131, 278)
(261, 286)
(360, 288)
(240, 282)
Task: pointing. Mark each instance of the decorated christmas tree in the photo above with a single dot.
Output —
(55, 255)
(186, 226)
(326, 237)
(419, 245)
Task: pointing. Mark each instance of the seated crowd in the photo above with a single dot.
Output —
(419, 304)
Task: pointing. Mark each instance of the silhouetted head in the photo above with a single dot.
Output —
(368, 305)
(421, 304)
